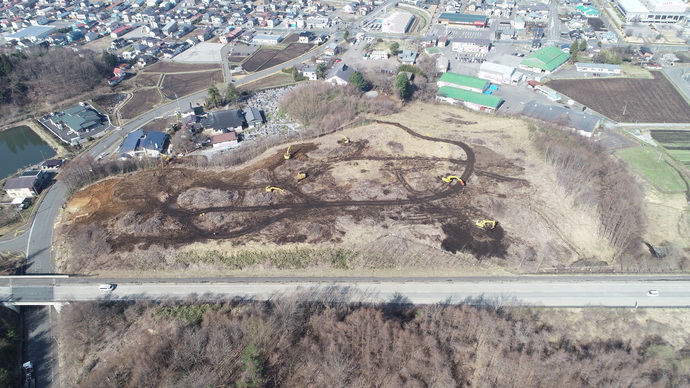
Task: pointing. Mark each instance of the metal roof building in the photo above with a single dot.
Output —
(582, 123)
(545, 60)
(33, 33)
(465, 82)
(472, 100)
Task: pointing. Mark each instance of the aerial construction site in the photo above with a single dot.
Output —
(433, 188)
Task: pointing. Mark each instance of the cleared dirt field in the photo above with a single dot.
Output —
(257, 59)
(642, 100)
(172, 67)
(147, 79)
(141, 101)
(292, 51)
(108, 102)
(375, 203)
(271, 81)
(188, 83)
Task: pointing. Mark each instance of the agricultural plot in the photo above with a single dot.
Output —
(677, 143)
(260, 57)
(187, 83)
(267, 58)
(141, 101)
(173, 67)
(629, 100)
(292, 51)
(649, 163)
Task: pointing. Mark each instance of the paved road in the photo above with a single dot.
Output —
(623, 291)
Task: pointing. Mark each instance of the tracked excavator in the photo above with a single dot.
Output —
(301, 175)
(485, 224)
(271, 188)
(287, 154)
(450, 178)
(346, 140)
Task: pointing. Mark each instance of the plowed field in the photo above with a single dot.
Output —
(629, 100)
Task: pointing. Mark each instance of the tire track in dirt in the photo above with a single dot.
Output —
(193, 232)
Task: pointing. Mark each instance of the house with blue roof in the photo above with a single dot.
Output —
(140, 143)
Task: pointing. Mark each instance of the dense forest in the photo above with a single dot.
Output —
(35, 79)
(297, 342)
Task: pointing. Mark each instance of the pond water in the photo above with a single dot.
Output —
(20, 147)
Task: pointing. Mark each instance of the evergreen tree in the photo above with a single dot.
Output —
(403, 87)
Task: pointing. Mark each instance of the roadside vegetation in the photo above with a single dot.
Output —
(599, 183)
(319, 339)
(9, 348)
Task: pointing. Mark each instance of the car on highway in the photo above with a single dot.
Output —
(652, 293)
(107, 287)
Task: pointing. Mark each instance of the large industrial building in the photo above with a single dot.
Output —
(397, 23)
(33, 33)
(653, 11)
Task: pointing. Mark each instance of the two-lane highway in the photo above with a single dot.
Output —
(623, 291)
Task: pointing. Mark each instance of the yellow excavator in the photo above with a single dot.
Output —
(346, 140)
(287, 154)
(271, 188)
(486, 224)
(301, 175)
(450, 178)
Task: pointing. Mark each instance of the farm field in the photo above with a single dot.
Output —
(260, 56)
(265, 58)
(628, 100)
(187, 83)
(676, 142)
(271, 81)
(173, 67)
(147, 79)
(646, 161)
(292, 51)
(141, 101)
(376, 203)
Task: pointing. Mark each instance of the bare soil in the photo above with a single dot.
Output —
(188, 83)
(173, 67)
(292, 51)
(629, 100)
(141, 101)
(380, 194)
(257, 59)
(147, 79)
(108, 102)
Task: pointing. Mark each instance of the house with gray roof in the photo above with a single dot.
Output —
(27, 185)
(580, 122)
(253, 116)
(340, 74)
(224, 120)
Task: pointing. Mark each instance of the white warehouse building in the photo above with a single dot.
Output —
(653, 11)
(397, 23)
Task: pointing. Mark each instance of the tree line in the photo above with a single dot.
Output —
(599, 182)
(318, 339)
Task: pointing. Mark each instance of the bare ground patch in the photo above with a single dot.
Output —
(141, 101)
(187, 83)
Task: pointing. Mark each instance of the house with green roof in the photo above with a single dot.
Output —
(472, 100)
(464, 82)
(78, 119)
(545, 60)
(588, 11)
